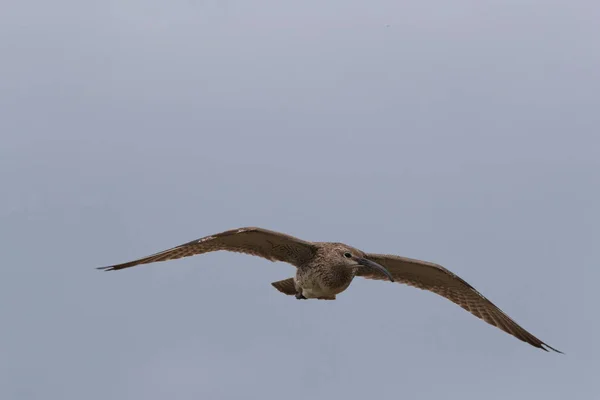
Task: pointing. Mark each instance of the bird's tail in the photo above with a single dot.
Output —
(285, 286)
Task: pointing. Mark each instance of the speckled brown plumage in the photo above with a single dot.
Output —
(273, 246)
(325, 269)
(439, 280)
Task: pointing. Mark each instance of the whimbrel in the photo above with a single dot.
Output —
(325, 269)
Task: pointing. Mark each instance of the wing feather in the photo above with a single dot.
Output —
(437, 279)
(273, 246)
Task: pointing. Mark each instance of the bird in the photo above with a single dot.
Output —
(326, 269)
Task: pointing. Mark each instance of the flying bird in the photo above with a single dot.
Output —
(325, 269)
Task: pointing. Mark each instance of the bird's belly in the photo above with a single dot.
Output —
(315, 287)
(317, 292)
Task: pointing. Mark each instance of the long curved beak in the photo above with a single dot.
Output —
(368, 263)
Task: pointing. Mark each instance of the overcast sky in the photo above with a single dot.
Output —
(465, 133)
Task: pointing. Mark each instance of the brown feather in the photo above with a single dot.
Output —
(437, 279)
(273, 246)
(285, 286)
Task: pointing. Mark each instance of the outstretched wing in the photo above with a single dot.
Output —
(437, 279)
(273, 246)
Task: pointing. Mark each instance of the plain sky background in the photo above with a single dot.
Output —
(460, 132)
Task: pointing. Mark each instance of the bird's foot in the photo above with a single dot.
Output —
(300, 296)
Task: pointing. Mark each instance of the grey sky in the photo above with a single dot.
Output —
(464, 133)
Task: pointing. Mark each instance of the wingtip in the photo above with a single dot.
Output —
(552, 348)
(547, 348)
(105, 268)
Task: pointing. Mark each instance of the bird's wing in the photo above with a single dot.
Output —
(273, 246)
(435, 278)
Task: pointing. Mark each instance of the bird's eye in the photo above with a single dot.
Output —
(347, 255)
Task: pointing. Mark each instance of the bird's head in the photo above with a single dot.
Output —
(354, 258)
